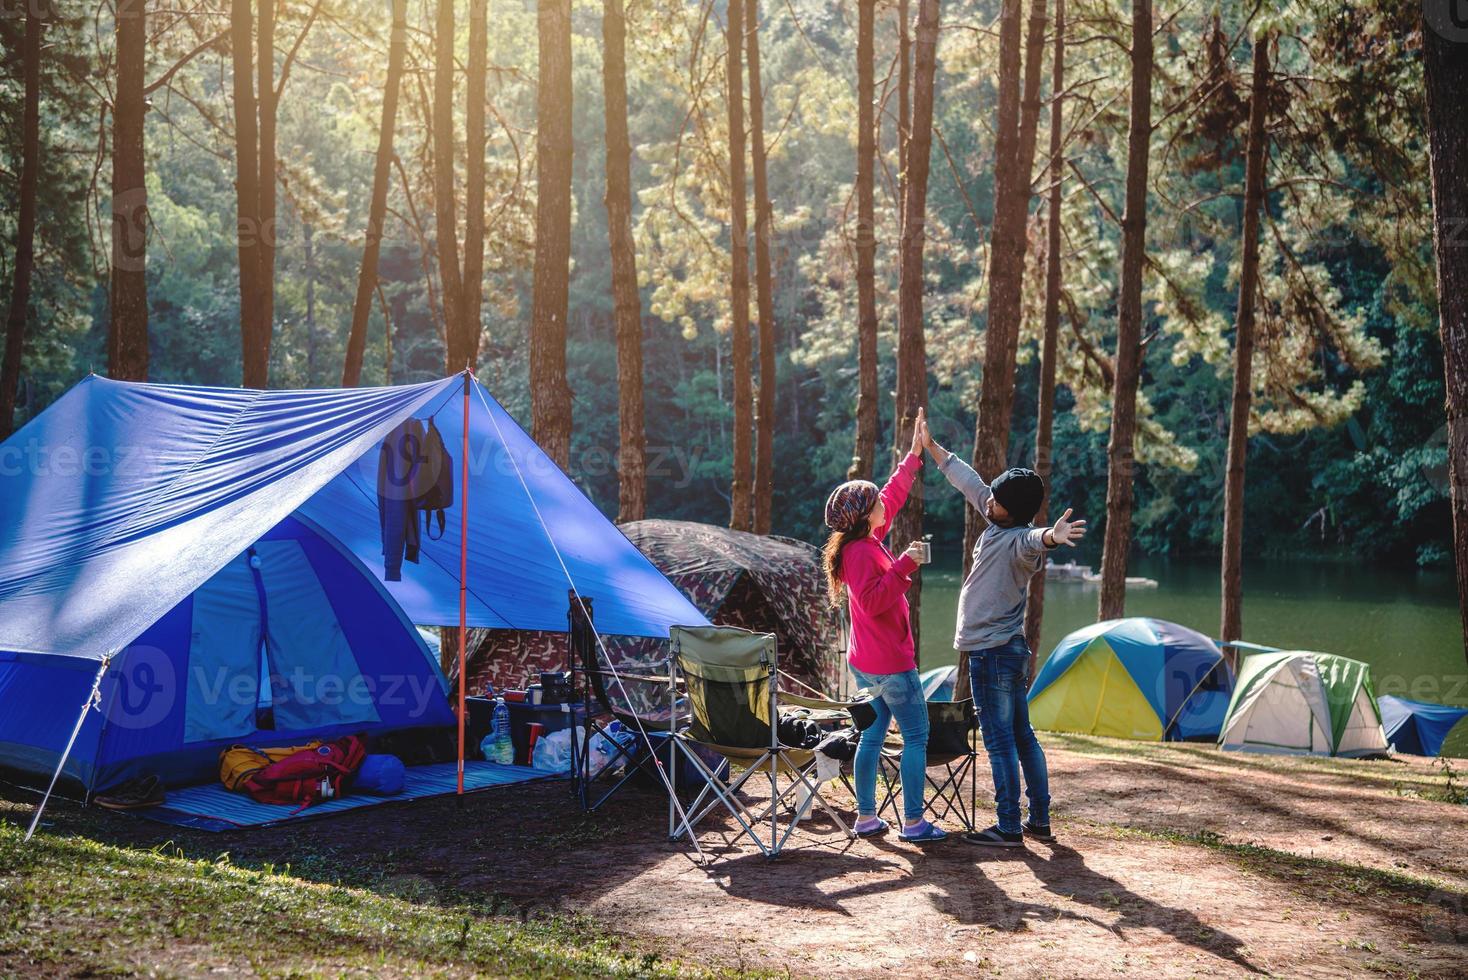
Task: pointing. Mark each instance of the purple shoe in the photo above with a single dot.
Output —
(923, 833)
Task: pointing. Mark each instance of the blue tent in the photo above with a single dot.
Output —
(1133, 678)
(187, 557)
(1417, 727)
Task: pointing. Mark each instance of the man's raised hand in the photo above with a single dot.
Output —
(1067, 531)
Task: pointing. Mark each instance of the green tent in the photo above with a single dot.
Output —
(1302, 702)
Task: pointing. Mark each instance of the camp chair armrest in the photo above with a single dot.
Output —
(819, 704)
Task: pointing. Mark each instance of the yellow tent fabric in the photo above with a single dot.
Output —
(1096, 696)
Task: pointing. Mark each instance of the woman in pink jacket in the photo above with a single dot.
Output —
(863, 573)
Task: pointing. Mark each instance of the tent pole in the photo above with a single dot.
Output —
(94, 699)
(463, 573)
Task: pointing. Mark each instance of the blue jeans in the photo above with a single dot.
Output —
(1001, 682)
(897, 696)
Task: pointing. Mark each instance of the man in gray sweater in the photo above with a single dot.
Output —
(991, 636)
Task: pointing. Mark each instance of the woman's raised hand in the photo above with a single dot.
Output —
(919, 433)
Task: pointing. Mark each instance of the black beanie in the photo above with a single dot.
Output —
(1020, 492)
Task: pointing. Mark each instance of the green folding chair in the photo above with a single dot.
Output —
(730, 677)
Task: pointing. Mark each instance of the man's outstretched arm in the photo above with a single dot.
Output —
(959, 473)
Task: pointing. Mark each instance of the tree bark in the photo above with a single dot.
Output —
(25, 226)
(1243, 382)
(1446, 69)
(1017, 122)
(904, 106)
(247, 189)
(912, 361)
(377, 210)
(308, 235)
(257, 346)
(1120, 451)
(764, 230)
(741, 492)
(445, 203)
(472, 280)
(127, 336)
(1045, 410)
(863, 459)
(550, 395)
(626, 301)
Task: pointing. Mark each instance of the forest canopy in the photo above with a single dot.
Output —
(1347, 445)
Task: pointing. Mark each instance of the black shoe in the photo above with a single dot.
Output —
(1040, 832)
(994, 837)
(135, 794)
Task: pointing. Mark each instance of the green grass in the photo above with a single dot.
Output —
(105, 910)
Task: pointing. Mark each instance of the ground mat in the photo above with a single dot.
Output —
(212, 807)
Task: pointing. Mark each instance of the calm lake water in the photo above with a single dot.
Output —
(1403, 623)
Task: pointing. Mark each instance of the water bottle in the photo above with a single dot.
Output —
(503, 748)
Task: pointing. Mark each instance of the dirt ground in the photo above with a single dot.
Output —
(1172, 862)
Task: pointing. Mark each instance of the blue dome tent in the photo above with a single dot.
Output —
(204, 566)
(1417, 727)
(1133, 678)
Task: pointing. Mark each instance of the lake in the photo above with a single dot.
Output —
(1404, 623)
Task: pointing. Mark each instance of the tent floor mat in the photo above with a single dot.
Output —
(212, 807)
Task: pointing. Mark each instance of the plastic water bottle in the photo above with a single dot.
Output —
(503, 748)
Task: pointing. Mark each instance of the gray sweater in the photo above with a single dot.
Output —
(991, 605)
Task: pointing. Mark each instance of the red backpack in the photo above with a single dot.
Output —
(310, 775)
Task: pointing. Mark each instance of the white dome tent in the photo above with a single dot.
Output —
(1300, 702)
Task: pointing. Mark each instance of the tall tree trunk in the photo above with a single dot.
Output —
(863, 460)
(309, 235)
(912, 359)
(472, 281)
(247, 189)
(257, 347)
(1120, 453)
(445, 203)
(1446, 63)
(25, 227)
(550, 395)
(1018, 121)
(904, 107)
(764, 230)
(626, 301)
(1243, 384)
(377, 210)
(1045, 413)
(127, 336)
(740, 492)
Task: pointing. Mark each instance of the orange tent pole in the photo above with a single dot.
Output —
(463, 572)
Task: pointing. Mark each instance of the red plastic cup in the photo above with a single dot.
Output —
(533, 731)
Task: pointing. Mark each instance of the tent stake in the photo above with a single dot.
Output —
(463, 573)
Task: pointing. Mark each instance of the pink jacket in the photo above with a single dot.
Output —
(881, 636)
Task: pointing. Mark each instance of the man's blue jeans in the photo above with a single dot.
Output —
(897, 696)
(1001, 681)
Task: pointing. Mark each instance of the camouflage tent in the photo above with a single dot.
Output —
(766, 583)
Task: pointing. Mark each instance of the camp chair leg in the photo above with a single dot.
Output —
(724, 796)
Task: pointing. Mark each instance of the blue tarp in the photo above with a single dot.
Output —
(1417, 727)
(121, 499)
(165, 526)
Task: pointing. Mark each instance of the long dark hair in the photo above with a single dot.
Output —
(834, 545)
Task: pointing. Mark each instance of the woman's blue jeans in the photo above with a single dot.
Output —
(898, 696)
(1001, 684)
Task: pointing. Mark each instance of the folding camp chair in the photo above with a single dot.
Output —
(731, 680)
(952, 734)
